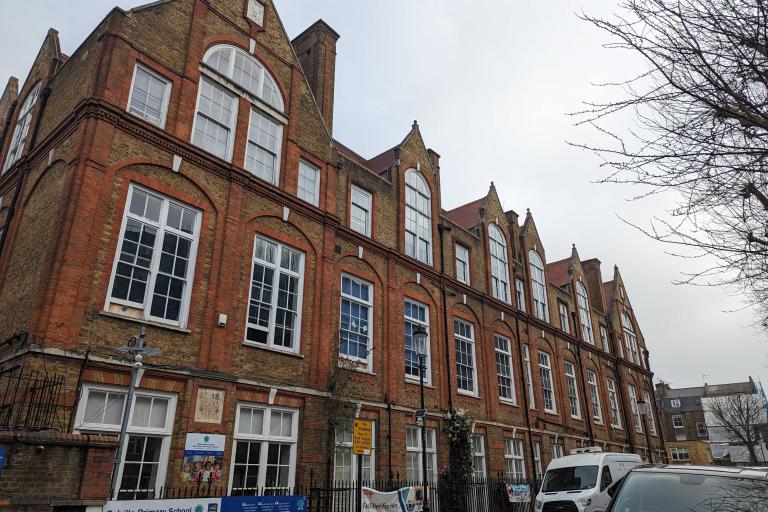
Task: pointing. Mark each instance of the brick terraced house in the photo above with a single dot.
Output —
(178, 172)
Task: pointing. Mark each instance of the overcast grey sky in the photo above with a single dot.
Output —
(490, 83)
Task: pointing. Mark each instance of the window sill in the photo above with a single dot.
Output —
(508, 402)
(145, 322)
(417, 383)
(468, 393)
(272, 349)
(361, 370)
(552, 413)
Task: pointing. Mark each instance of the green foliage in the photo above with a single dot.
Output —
(458, 427)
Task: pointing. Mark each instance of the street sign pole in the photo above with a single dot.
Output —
(359, 483)
(361, 445)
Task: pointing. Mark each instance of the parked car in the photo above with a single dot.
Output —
(571, 482)
(670, 488)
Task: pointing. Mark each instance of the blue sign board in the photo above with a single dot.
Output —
(264, 504)
(2, 459)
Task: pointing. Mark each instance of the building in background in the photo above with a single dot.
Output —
(178, 173)
(693, 431)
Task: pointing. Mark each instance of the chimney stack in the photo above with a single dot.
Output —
(316, 50)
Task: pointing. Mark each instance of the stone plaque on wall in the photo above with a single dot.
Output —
(210, 405)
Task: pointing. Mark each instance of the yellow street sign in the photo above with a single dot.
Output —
(362, 437)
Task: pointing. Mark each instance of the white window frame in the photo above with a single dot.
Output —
(167, 89)
(539, 286)
(547, 379)
(471, 341)
(504, 355)
(585, 317)
(355, 205)
(529, 377)
(265, 438)
(557, 450)
(431, 450)
(604, 338)
(22, 126)
(677, 421)
(419, 189)
(161, 227)
(514, 459)
(368, 361)
(306, 165)
(497, 249)
(651, 418)
(573, 389)
(613, 402)
(630, 339)
(699, 425)
(679, 453)
(635, 410)
(424, 324)
(562, 309)
(278, 271)
(255, 111)
(81, 426)
(520, 293)
(462, 263)
(232, 123)
(478, 451)
(369, 474)
(265, 78)
(594, 396)
(537, 462)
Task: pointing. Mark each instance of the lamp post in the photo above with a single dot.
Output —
(643, 408)
(420, 336)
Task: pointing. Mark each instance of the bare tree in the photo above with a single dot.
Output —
(701, 130)
(741, 418)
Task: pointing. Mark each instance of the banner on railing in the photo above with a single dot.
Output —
(228, 504)
(406, 499)
(193, 505)
(519, 493)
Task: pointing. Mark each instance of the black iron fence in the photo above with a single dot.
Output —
(29, 400)
(495, 494)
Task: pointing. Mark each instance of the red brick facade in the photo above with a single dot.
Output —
(64, 203)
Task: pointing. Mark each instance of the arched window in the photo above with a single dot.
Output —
(246, 72)
(499, 268)
(538, 286)
(22, 128)
(584, 316)
(230, 73)
(630, 339)
(418, 217)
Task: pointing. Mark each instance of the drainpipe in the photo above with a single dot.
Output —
(620, 384)
(22, 170)
(656, 418)
(442, 229)
(525, 394)
(389, 439)
(587, 403)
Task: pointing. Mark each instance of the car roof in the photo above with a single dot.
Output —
(590, 459)
(757, 473)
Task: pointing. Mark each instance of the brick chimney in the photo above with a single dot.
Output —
(316, 49)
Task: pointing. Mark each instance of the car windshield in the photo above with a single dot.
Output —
(574, 478)
(686, 492)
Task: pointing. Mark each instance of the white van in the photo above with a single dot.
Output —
(571, 482)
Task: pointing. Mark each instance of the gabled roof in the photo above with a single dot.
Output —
(382, 161)
(559, 272)
(466, 216)
(349, 153)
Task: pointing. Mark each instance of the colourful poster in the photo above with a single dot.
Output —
(519, 493)
(203, 458)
